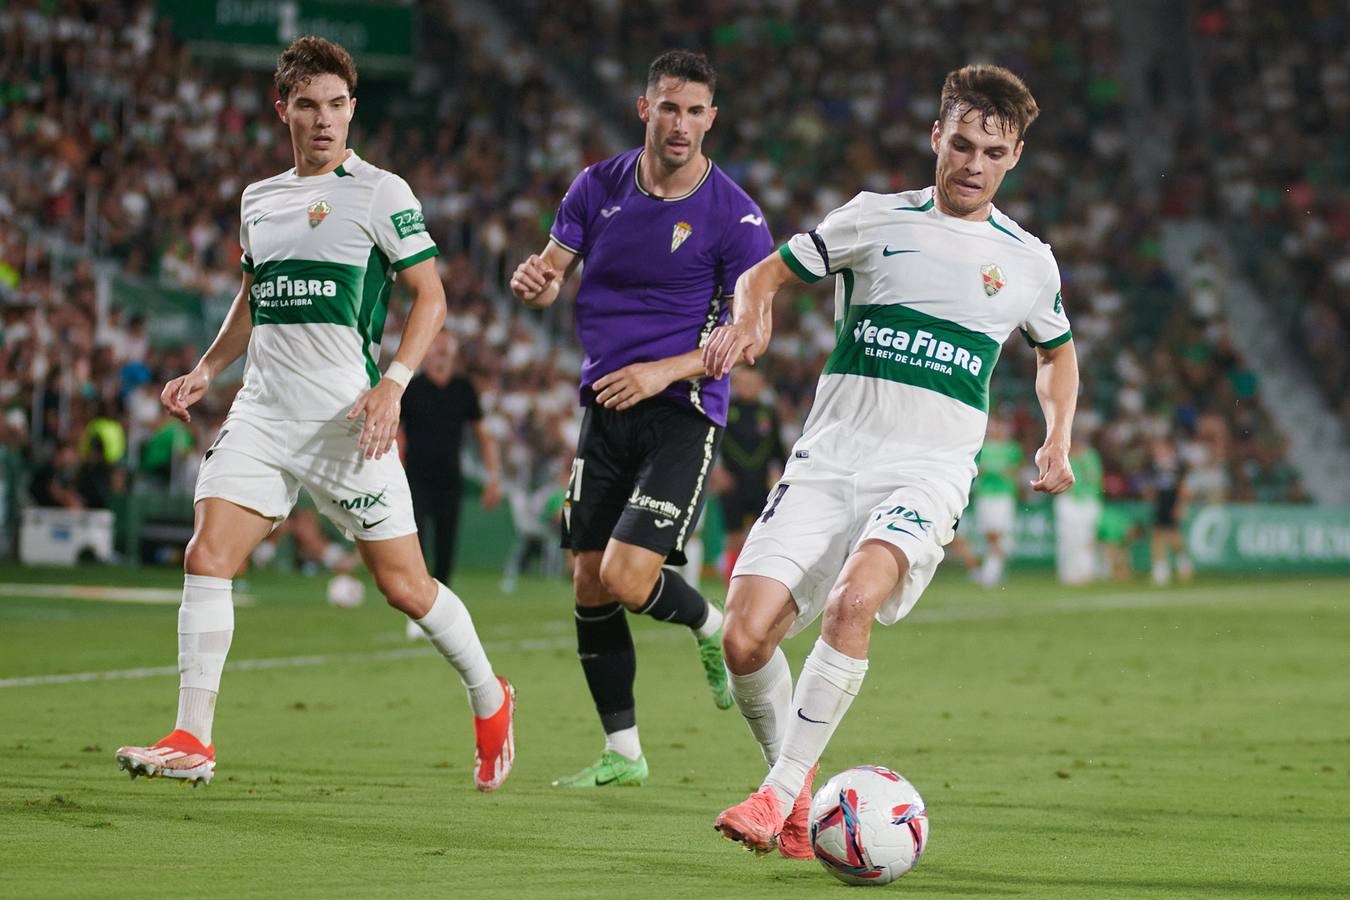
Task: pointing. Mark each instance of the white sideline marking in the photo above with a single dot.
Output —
(103, 593)
(1146, 599)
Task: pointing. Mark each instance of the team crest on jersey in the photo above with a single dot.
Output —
(318, 211)
(993, 279)
(680, 235)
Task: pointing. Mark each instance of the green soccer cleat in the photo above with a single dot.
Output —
(710, 651)
(612, 768)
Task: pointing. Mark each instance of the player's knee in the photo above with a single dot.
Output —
(627, 584)
(744, 650)
(409, 594)
(850, 606)
(204, 558)
(586, 584)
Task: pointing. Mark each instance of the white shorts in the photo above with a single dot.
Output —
(261, 464)
(996, 514)
(813, 522)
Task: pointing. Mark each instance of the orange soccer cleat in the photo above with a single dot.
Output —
(180, 755)
(495, 743)
(795, 840)
(754, 822)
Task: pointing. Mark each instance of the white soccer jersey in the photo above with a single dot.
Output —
(923, 304)
(323, 250)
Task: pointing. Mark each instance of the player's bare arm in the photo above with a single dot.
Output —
(492, 461)
(746, 336)
(230, 343)
(626, 387)
(537, 281)
(1057, 391)
(381, 403)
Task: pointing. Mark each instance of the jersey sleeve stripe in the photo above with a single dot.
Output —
(555, 240)
(1050, 344)
(428, 253)
(797, 268)
(1055, 342)
(821, 249)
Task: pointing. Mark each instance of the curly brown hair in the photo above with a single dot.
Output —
(992, 91)
(309, 56)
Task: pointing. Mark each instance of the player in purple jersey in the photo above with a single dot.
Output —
(665, 234)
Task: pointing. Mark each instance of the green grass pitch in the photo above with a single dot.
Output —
(1120, 741)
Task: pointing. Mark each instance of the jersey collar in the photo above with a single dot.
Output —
(345, 169)
(637, 167)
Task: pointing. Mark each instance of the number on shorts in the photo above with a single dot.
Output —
(777, 497)
(574, 483)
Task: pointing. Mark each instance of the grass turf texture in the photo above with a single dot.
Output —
(1120, 741)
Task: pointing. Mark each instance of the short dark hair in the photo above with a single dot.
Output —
(309, 56)
(683, 65)
(993, 92)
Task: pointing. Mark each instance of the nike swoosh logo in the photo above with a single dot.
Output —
(259, 219)
(598, 782)
(805, 718)
(889, 252)
(892, 527)
(369, 525)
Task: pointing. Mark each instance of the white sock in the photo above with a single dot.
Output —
(1161, 572)
(205, 629)
(450, 628)
(829, 682)
(765, 699)
(710, 624)
(993, 569)
(624, 742)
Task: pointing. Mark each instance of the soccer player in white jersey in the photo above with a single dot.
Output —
(928, 286)
(322, 245)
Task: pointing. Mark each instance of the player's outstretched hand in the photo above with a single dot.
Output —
(626, 387)
(730, 344)
(532, 278)
(381, 406)
(1052, 460)
(492, 493)
(182, 392)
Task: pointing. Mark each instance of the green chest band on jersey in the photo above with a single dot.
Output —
(897, 343)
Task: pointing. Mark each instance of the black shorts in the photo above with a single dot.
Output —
(640, 476)
(742, 505)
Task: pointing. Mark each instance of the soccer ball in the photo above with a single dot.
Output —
(345, 591)
(868, 825)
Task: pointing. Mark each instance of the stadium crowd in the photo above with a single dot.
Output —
(116, 141)
(1279, 140)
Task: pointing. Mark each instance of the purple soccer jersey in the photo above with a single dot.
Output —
(659, 273)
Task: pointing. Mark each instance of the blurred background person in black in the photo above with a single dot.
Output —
(752, 458)
(436, 407)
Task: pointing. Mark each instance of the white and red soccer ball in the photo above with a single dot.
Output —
(868, 825)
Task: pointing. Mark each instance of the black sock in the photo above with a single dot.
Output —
(605, 648)
(675, 600)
